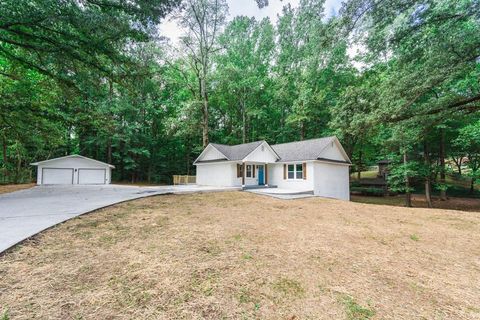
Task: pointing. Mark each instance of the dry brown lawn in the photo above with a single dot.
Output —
(15, 187)
(237, 255)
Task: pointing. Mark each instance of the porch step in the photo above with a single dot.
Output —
(255, 187)
(282, 192)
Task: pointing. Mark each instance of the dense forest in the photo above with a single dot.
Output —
(392, 79)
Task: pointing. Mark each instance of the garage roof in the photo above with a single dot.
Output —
(72, 156)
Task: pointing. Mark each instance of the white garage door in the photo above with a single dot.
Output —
(57, 176)
(91, 176)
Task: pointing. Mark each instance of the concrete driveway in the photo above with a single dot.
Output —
(27, 212)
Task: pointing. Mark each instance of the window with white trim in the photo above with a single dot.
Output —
(299, 171)
(291, 172)
(295, 171)
(249, 171)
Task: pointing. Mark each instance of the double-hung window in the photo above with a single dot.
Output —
(249, 171)
(295, 171)
(291, 171)
(299, 171)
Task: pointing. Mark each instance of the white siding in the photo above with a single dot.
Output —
(261, 154)
(332, 152)
(222, 174)
(275, 178)
(217, 174)
(332, 180)
(211, 154)
(75, 164)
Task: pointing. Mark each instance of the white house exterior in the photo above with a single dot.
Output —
(73, 170)
(318, 165)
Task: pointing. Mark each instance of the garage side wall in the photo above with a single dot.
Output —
(217, 174)
(332, 181)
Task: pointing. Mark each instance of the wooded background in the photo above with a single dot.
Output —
(393, 79)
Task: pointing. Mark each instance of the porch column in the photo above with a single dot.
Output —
(266, 174)
(244, 169)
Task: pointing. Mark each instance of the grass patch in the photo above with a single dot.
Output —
(204, 282)
(289, 287)
(354, 310)
(247, 256)
(414, 237)
(5, 315)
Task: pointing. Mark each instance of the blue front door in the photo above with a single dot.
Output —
(261, 180)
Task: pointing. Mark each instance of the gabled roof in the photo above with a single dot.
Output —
(302, 150)
(285, 152)
(237, 152)
(71, 156)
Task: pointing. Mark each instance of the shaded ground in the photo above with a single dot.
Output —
(240, 255)
(418, 200)
(15, 187)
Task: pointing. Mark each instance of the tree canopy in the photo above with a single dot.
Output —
(393, 79)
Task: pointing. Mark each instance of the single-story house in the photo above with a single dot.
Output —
(318, 165)
(73, 169)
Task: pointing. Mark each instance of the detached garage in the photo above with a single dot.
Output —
(73, 169)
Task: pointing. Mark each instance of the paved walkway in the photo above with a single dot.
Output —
(285, 194)
(27, 212)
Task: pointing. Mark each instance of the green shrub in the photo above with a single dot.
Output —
(368, 191)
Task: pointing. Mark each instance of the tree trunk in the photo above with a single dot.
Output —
(204, 95)
(109, 151)
(19, 167)
(244, 123)
(187, 159)
(428, 191)
(5, 158)
(302, 131)
(4, 149)
(458, 163)
(472, 186)
(443, 192)
(408, 194)
(359, 166)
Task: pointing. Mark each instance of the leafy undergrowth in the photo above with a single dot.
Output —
(243, 256)
(418, 200)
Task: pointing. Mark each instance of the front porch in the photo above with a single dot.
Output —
(253, 174)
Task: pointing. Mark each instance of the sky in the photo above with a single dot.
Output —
(249, 8)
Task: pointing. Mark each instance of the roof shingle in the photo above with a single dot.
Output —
(237, 152)
(301, 150)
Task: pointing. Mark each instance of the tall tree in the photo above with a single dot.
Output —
(242, 69)
(203, 21)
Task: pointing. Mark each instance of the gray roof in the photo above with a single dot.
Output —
(72, 156)
(292, 151)
(238, 152)
(302, 150)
